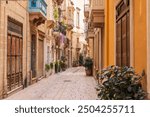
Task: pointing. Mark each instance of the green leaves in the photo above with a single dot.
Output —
(47, 67)
(120, 83)
(55, 13)
(88, 63)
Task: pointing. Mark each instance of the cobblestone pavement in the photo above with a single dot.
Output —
(69, 85)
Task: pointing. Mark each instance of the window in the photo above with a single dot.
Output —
(123, 34)
(69, 13)
(33, 3)
(78, 19)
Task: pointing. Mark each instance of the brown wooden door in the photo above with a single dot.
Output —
(124, 41)
(40, 57)
(33, 56)
(14, 62)
(123, 35)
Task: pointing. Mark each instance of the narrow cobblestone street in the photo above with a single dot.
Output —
(71, 84)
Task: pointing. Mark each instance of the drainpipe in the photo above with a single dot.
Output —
(27, 81)
(3, 90)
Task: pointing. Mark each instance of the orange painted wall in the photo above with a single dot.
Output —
(140, 38)
(109, 33)
(139, 35)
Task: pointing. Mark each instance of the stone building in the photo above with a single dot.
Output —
(94, 19)
(78, 37)
(26, 43)
(14, 35)
(68, 17)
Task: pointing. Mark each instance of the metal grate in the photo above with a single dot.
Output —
(67, 80)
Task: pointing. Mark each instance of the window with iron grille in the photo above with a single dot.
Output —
(14, 54)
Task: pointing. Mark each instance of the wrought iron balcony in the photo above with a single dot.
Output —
(37, 10)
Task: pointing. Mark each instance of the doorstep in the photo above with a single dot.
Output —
(14, 91)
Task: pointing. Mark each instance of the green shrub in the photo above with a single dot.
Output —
(51, 65)
(81, 60)
(56, 66)
(88, 63)
(120, 83)
(47, 67)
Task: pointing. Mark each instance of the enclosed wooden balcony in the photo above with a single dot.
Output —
(38, 11)
(97, 12)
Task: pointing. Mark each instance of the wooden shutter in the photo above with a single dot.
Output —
(124, 42)
(128, 39)
(118, 43)
(123, 35)
(41, 54)
(33, 56)
(14, 54)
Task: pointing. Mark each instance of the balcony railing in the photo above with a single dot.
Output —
(38, 6)
(97, 4)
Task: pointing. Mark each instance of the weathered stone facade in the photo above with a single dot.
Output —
(17, 11)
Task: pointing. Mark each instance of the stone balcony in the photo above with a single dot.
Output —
(38, 11)
(86, 10)
(97, 12)
(78, 46)
(70, 23)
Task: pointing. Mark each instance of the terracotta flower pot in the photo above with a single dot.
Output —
(88, 72)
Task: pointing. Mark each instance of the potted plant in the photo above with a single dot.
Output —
(47, 68)
(80, 60)
(75, 63)
(88, 66)
(62, 65)
(56, 67)
(59, 68)
(51, 66)
(120, 83)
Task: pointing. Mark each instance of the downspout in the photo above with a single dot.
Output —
(27, 44)
(3, 92)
